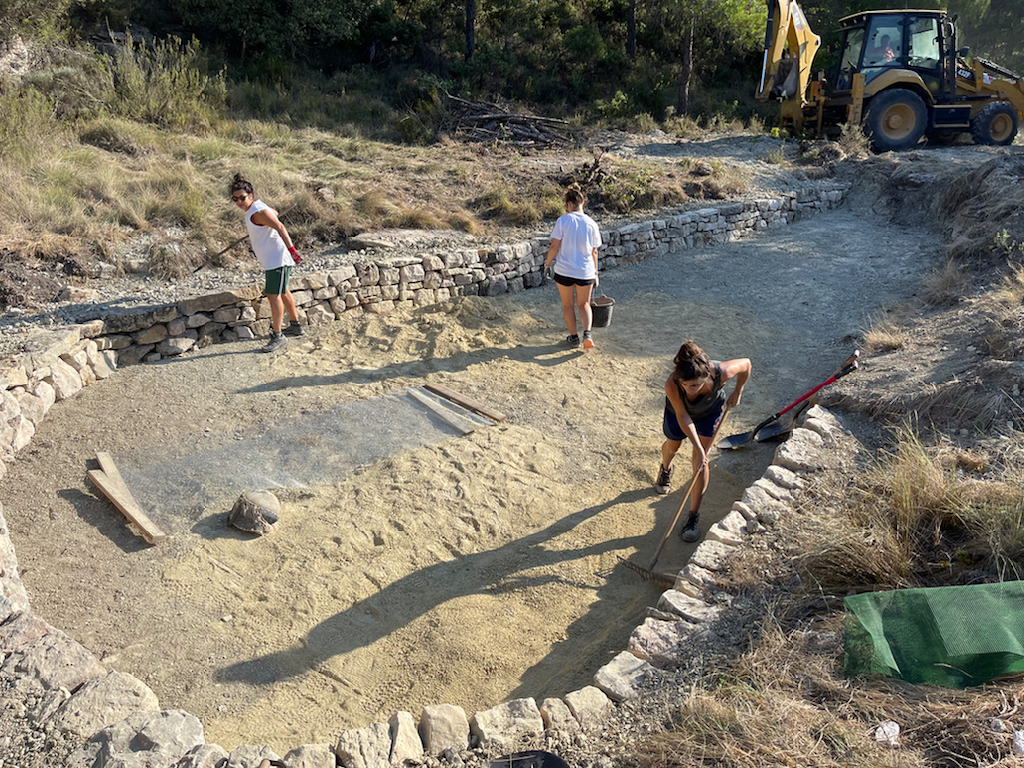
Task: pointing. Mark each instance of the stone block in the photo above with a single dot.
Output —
(405, 739)
(311, 756)
(710, 555)
(214, 301)
(621, 676)
(227, 315)
(767, 508)
(784, 478)
(162, 738)
(699, 578)
(658, 642)
(444, 726)
(175, 345)
(64, 379)
(102, 701)
(197, 320)
(590, 706)
(367, 747)
(32, 407)
(151, 335)
(319, 314)
(43, 348)
(503, 727)
(52, 661)
(802, 452)
(777, 492)
(686, 607)
(557, 717)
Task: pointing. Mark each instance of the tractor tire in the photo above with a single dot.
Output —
(896, 119)
(996, 124)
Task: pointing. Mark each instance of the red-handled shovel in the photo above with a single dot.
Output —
(738, 441)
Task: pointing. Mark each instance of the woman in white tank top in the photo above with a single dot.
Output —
(273, 247)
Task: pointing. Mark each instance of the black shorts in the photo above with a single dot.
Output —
(705, 426)
(570, 281)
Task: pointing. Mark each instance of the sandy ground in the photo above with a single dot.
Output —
(471, 570)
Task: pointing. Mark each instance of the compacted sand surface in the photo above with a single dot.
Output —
(471, 570)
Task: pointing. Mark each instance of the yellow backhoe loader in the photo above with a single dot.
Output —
(900, 75)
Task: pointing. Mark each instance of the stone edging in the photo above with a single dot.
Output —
(65, 689)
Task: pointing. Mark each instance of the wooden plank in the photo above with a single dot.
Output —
(464, 400)
(115, 490)
(449, 416)
(112, 472)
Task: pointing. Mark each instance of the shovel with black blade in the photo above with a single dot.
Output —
(768, 429)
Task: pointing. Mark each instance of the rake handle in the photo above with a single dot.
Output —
(233, 244)
(693, 482)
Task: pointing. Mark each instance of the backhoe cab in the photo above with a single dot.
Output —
(900, 76)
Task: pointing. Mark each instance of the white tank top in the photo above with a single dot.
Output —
(266, 243)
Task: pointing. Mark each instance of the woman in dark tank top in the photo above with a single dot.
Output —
(695, 400)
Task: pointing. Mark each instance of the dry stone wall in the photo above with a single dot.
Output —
(383, 284)
(53, 690)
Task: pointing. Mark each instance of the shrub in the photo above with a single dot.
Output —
(166, 85)
(27, 127)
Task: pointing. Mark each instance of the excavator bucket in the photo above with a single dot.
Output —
(789, 49)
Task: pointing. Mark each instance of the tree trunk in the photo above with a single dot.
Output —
(631, 31)
(470, 28)
(683, 96)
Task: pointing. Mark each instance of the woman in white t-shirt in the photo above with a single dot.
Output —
(574, 243)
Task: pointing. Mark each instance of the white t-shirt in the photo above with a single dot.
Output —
(579, 235)
(266, 243)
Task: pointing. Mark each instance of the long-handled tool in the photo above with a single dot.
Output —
(738, 441)
(221, 252)
(649, 573)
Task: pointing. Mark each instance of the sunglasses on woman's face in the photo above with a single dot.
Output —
(239, 198)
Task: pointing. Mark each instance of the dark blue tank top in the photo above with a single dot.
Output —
(706, 403)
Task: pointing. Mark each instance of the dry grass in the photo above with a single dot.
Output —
(786, 703)
(786, 700)
(114, 173)
(920, 513)
(884, 334)
(947, 285)
(959, 403)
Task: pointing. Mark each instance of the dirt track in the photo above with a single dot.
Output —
(471, 571)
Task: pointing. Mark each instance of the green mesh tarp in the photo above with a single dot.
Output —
(950, 636)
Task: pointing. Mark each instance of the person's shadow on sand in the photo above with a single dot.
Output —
(544, 355)
(407, 599)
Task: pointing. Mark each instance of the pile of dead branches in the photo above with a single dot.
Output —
(482, 121)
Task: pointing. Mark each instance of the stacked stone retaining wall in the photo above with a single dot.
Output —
(57, 690)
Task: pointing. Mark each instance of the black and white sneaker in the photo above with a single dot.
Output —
(691, 531)
(588, 340)
(664, 482)
(277, 340)
(294, 329)
(574, 341)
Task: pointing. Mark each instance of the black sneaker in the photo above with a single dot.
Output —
(574, 341)
(664, 482)
(277, 340)
(691, 531)
(294, 329)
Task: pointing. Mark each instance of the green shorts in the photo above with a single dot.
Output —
(277, 281)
